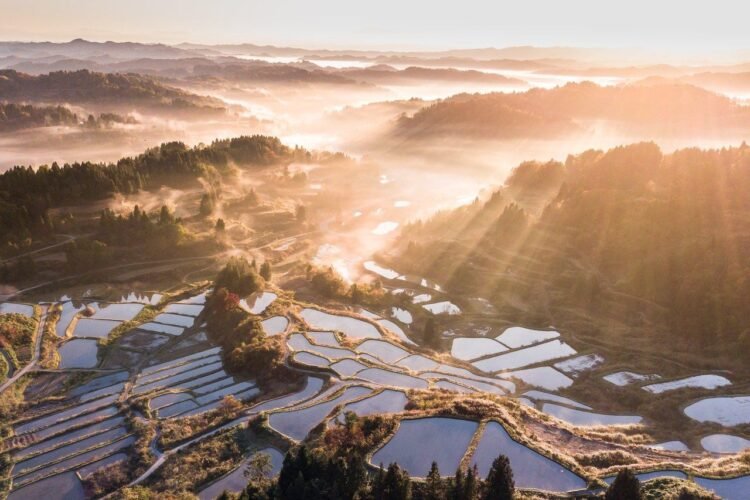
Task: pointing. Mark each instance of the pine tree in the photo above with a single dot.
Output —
(220, 226)
(470, 484)
(396, 484)
(499, 484)
(457, 488)
(434, 485)
(625, 487)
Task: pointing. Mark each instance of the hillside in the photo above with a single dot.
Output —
(24, 116)
(88, 87)
(633, 238)
(667, 108)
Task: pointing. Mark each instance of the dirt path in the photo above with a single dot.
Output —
(38, 334)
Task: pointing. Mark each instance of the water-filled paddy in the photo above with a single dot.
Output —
(312, 387)
(530, 355)
(622, 379)
(727, 411)
(94, 328)
(172, 381)
(184, 309)
(184, 359)
(299, 342)
(422, 298)
(159, 328)
(384, 272)
(275, 325)
(258, 302)
(15, 308)
(67, 314)
(402, 315)
(324, 338)
(78, 353)
(298, 423)
(309, 359)
(444, 307)
(118, 312)
(91, 468)
(467, 349)
(724, 443)
(647, 476)
(728, 489)
(414, 446)
(388, 401)
(175, 320)
(453, 387)
(588, 419)
(699, 381)
(197, 299)
(385, 377)
(471, 384)
(59, 416)
(417, 362)
(671, 446)
(347, 367)
(25, 466)
(517, 336)
(176, 369)
(168, 399)
(530, 468)
(226, 391)
(104, 391)
(574, 366)
(395, 329)
(351, 327)
(554, 398)
(224, 381)
(140, 340)
(235, 481)
(177, 409)
(68, 437)
(66, 486)
(382, 350)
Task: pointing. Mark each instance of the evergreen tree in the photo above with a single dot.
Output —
(471, 486)
(625, 487)
(220, 226)
(434, 489)
(457, 488)
(430, 334)
(396, 485)
(499, 484)
(265, 271)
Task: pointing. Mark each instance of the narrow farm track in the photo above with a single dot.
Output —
(38, 334)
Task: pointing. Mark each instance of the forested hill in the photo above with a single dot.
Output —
(26, 194)
(90, 87)
(656, 242)
(23, 116)
(667, 108)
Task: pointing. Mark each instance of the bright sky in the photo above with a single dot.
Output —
(672, 25)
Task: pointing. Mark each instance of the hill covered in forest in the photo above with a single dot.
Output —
(667, 108)
(87, 87)
(23, 116)
(629, 240)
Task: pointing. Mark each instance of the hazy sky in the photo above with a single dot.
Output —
(413, 24)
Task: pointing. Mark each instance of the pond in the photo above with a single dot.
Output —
(388, 401)
(444, 307)
(530, 468)
(385, 377)
(298, 423)
(257, 302)
(402, 315)
(726, 411)
(699, 381)
(184, 309)
(724, 443)
(382, 350)
(235, 481)
(78, 353)
(554, 349)
(94, 328)
(274, 325)
(467, 349)
(414, 446)
(351, 327)
(516, 336)
(588, 419)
